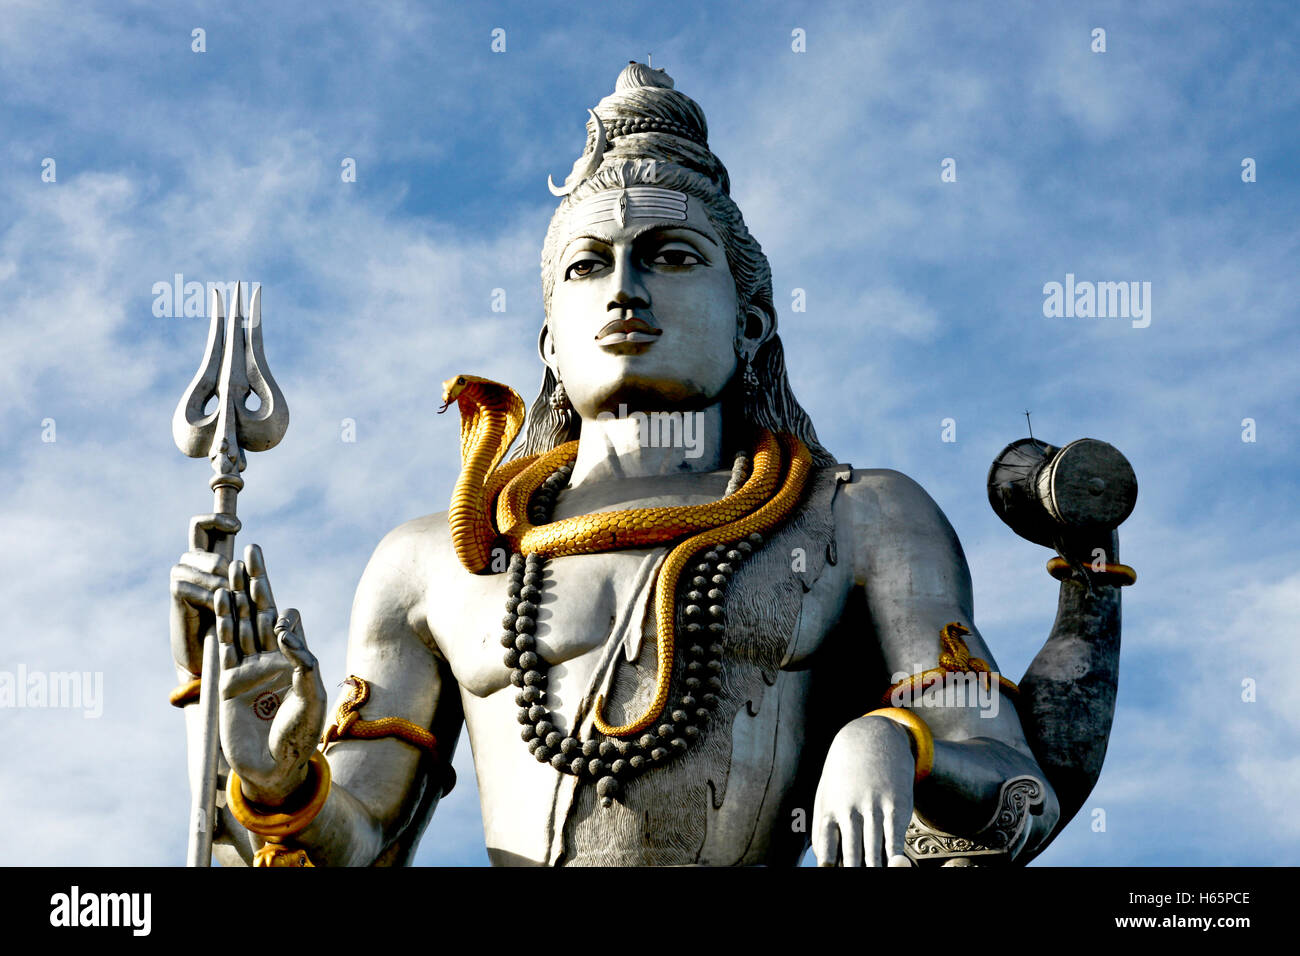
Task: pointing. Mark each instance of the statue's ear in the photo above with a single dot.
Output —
(546, 348)
(758, 326)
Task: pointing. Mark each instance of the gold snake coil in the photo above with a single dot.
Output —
(491, 416)
(348, 723)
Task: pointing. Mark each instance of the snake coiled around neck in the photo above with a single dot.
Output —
(491, 417)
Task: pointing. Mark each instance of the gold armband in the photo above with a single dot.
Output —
(919, 732)
(1120, 575)
(348, 723)
(954, 658)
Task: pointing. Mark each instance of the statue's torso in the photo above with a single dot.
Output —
(743, 792)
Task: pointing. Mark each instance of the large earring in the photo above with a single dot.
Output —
(750, 380)
(560, 398)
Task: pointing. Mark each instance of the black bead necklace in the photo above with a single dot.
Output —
(609, 762)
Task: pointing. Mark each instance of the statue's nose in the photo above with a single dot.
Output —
(630, 292)
(624, 301)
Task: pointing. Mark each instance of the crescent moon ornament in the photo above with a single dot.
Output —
(581, 172)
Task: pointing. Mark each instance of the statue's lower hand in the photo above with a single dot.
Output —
(864, 797)
(272, 696)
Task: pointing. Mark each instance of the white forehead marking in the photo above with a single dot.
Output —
(635, 202)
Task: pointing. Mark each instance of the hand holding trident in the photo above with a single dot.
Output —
(234, 365)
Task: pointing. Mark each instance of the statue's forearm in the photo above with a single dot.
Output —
(961, 795)
(344, 833)
(1065, 705)
(377, 820)
(1067, 696)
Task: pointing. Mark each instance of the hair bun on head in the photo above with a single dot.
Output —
(646, 118)
(638, 74)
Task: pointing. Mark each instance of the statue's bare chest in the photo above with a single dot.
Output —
(596, 632)
(587, 600)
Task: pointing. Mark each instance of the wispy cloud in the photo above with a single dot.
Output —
(924, 302)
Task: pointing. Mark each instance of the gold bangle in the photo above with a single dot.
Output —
(919, 731)
(186, 693)
(1120, 575)
(279, 825)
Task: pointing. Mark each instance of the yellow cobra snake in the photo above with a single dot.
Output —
(348, 722)
(491, 417)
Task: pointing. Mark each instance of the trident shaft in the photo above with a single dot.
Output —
(233, 367)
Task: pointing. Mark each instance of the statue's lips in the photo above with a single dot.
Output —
(629, 329)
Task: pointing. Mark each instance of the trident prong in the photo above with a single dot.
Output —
(233, 367)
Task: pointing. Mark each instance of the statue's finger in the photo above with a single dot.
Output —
(290, 621)
(225, 620)
(208, 580)
(896, 821)
(873, 837)
(237, 575)
(264, 627)
(826, 840)
(202, 526)
(303, 660)
(207, 561)
(306, 675)
(229, 656)
(221, 603)
(259, 585)
(852, 838)
(183, 627)
(247, 636)
(192, 594)
(292, 643)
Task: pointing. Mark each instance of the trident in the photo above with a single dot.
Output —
(233, 366)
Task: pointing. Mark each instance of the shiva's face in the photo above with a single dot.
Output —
(643, 307)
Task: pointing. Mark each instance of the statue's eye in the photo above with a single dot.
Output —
(677, 257)
(583, 267)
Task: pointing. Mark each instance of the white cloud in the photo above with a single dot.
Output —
(924, 301)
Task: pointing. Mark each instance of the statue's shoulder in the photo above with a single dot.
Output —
(881, 505)
(881, 491)
(394, 596)
(403, 559)
(420, 537)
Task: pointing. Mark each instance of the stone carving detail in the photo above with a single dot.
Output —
(999, 841)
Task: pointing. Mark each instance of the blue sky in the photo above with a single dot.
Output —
(924, 302)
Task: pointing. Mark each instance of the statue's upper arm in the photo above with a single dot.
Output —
(913, 573)
(909, 563)
(390, 647)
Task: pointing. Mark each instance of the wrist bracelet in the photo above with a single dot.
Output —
(1120, 575)
(186, 693)
(919, 732)
(278, 825)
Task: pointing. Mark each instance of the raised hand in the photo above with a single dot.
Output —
(272, 696)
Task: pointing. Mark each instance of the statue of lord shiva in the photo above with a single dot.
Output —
(677, 630)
